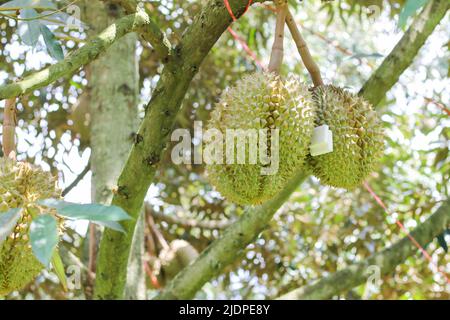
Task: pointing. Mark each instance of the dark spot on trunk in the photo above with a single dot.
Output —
(136, 137)
(113, 10)
(125, 89)
(152, 159)
(123, 191)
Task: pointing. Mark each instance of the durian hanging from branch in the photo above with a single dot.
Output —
(32, 216)
(357, 135)
(279, 112)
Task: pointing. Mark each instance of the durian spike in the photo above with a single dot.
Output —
(276, 57)
(9, 128)
(303, 50)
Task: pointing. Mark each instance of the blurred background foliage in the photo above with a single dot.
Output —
(320, 229)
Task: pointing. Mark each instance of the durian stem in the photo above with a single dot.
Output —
(9, 128)
(303, 50)
(276, 57)
(92, 253)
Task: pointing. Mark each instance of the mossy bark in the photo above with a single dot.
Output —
(153, 134)
(113, 85)
(382, 80)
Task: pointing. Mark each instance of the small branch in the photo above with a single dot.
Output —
(386, 260)
(149, 213)
(53, 12)
(303, 50)
(190, 223)
(438, 104)
(76, 181)
(152, 34)
(92, 252)
(276, 57)
(80, 57)
(9, 128)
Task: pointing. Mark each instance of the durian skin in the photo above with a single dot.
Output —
(259, 101)
(358, 138)
(21, 185)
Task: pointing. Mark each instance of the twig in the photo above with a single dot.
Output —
(276, 57)
(92, 252)
(77, 180)
(154, 229)
(438, 104)
(303, 50)
(9, 128)
(41, 16)
(151, 275)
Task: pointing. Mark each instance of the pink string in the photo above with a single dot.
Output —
(402, 227)
(238, 38)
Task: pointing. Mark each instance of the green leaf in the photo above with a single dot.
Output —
(58, 267)
(110, 224)
(53, 47)
(410, 8)
(8, 221)
(32, 28)
(92, 212)
(44, 237)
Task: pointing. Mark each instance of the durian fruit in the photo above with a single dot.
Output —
(357, 138)
(21, 185)
(262, 101)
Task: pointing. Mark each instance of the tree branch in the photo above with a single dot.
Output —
(82, 56)
(151, 33)
(386, 260)
(155, 130)
(186, 222)
(224, 250)
(229, 247)
(9, 128)
(77, 180)
(404, 52)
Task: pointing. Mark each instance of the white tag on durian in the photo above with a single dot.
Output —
(321, 141)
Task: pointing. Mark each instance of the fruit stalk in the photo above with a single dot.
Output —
(303, 50)
(9, 127)
(276, 57)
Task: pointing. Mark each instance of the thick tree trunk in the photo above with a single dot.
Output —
(113, 91)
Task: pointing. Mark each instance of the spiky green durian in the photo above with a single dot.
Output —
(357, 138)
(21, 185)
(262, 101)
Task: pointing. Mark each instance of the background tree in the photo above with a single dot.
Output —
(318, 230)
